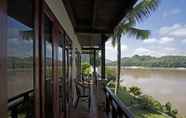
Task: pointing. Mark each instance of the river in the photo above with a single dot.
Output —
(163, 84)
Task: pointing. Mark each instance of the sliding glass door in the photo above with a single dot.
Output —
(20, 64)
(48, 66)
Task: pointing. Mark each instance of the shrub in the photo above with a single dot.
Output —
(150, 103)
(135, 91)
(168, 109)
(110, 74)
(86, 69)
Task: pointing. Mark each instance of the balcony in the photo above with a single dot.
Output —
(103, 104)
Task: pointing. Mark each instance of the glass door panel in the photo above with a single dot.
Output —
(20, 46)
(48, 49)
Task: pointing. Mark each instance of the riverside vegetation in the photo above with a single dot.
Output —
(140, 104)
(149, 61)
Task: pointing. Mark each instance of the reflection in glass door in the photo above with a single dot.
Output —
(20, 46)
(68, 73)
(61, 71)
(48, 48)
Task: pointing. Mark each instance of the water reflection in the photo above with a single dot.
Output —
(20, 57)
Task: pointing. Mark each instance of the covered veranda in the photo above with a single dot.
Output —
(94, 22)
(75, 28)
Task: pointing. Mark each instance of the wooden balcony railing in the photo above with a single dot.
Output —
(115, 108)
(22, 99)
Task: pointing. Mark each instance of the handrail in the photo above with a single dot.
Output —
(13, 107)
(119, 109)
(20, 95)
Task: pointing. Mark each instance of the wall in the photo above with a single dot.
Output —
(58, 9)
(3, 84)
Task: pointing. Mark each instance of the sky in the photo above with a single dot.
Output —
(168, 33)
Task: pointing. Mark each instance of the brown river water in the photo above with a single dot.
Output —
(163, 84)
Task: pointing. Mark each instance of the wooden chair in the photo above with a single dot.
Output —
(83, 93)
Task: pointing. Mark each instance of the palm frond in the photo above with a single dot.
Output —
(120, 29)
(143, 10)
(138, 33)
(115, 37)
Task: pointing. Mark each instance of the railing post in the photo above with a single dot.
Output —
(120, 114)
(107, 103)
(114, 110)
(14, 112)
(26, 102)
(118, 108)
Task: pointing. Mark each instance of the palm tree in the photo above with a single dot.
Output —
(127, 27)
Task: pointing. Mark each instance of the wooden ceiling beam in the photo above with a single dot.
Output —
(123, 13)
(94, 13)
(90, 30)
(71, 13)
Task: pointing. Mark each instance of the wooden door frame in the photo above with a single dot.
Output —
(3, 60)
(40, 8)
(56, 30)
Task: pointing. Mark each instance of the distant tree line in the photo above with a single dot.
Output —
(149, 61)
(17, 63)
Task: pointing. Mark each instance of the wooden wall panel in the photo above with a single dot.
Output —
(39, 60)
(3, 58)
(55, 36)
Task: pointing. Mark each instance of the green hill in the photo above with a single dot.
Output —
(149, 61)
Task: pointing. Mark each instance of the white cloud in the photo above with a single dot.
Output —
(150, 40)
(145, 51)
(111, 52)
(165, 40)
(158, 52)
(176, 31)
(170, 49)
(171, 12)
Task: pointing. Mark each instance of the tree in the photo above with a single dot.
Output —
(127, 27)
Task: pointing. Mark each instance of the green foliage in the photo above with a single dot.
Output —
(167, 108)
(144, 106)
(150, 103)
(135, 91)
(86, 69)
(149, 61)
(110, 73)
(128, 27)
(143, 10)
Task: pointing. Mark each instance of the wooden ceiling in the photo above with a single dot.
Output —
(97, 16)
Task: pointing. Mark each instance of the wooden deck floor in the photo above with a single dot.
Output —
(87, 115)
(97, 109)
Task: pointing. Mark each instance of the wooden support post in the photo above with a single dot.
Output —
(95, 77)
(3, 60)
(64, 79)
(38, 61)
(103, 57)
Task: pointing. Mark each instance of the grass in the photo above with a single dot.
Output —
(140, 113)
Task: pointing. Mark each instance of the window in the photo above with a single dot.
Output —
(48, 67)
(20, 45)
(61, 72)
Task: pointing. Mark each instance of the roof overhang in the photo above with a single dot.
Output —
(91, 18)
